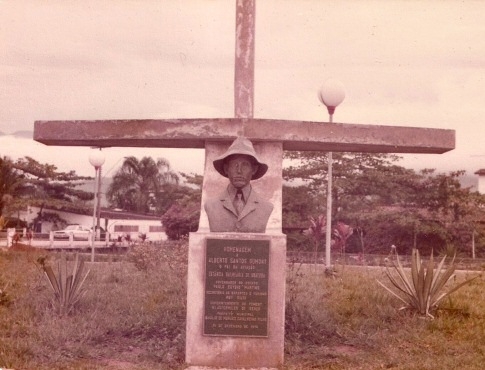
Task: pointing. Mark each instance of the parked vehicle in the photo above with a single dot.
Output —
(77, 231)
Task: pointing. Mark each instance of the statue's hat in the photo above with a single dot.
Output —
(240, 146)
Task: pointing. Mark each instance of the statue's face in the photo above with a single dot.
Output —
(240, 169)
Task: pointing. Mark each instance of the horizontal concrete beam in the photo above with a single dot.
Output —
(295, 135)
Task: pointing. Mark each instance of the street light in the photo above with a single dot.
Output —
(96, 158)
(331, 94)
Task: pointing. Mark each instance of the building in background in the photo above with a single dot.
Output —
(117, 223)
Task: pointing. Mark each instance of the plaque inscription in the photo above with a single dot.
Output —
(236, 287)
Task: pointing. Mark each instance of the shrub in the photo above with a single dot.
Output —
(68, 288)
(181, 219)
(426, 288)
(5, 299)
(147, 257)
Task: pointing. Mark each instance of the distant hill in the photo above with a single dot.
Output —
(21, 134)
(24, 134)
(468, 181)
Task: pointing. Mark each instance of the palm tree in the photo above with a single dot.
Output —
(138, 183)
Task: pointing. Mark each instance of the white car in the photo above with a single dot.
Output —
(77, 231)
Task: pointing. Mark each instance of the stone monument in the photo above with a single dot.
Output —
(236, 275)
(236, 281)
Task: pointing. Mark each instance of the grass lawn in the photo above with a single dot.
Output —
(132, 316)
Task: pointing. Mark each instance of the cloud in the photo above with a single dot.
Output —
(402, 62)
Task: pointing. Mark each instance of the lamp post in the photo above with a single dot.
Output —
(331, 94)
(96, 158)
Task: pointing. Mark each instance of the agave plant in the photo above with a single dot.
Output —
(426, 287)
(68, 288)
(316, 231)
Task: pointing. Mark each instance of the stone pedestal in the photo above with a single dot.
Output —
(233, 344)
(222, 331)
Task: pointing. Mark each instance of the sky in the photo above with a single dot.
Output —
(405, 63)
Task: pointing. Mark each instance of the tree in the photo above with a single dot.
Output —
(45, 187)
(298, 204)
(183, 215)
(190, 188)
(27, 182)
(12, 183)
(457, 211)
(180, 219)
(388, 204)
(361, 181)
(139, 185)
(358, 178)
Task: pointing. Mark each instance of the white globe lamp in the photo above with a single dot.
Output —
(96, 158)
(331, 94)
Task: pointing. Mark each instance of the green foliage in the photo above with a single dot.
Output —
(352, 323)
(298, 203)
(11, 183)
(181, 219)
(387, 203)
(426, 287)
(342, 232)
(317, 232)
(138, 185)
(68, 288)
(302, 323)
(134, 320)
(126, 319)
(12, 222)
(183, 215)
(27, 182)
(142, 237)
(189, 193)
(355, 174)
(5, 299)
(149, 257)
(44, 185)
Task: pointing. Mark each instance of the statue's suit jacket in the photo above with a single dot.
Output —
(223, 216)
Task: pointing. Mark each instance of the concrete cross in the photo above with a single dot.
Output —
(270, 138)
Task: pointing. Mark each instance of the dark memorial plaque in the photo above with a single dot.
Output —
(236, 287)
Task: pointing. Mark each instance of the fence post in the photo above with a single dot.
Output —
(10, 234)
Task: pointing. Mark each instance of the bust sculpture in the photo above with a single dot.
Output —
(239, 208)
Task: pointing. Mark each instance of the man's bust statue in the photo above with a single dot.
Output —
(239, 208)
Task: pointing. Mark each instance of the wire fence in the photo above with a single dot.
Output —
(45, 241)
(462, 263)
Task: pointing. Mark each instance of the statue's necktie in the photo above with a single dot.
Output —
(239, 202)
